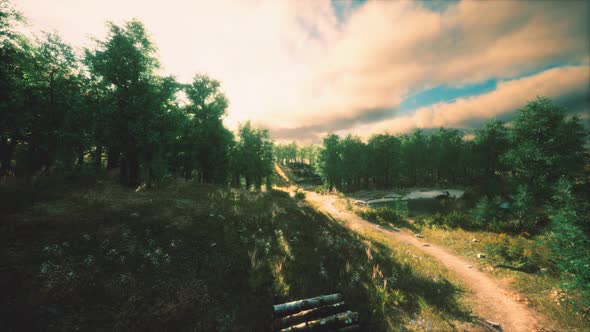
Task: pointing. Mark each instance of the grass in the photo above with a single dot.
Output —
(196, 257)
(521, 261)
(521, 268)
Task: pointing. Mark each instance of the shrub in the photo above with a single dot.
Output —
(384, 214)
(488, 213)
(452, 219)
(519, 253)
(523, 209)
(571, 249)
(299, 194)
(321, 189)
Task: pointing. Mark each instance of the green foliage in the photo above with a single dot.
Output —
(291, 153)
(490, 143)
(546, 146)
(524, 209)
(58, 111)
(453, 219)
(201, 257)
(299, 194)
(487, 212)
(385, 215)
(519, 253)
(253, 159)
(571, 249)
(205, 144)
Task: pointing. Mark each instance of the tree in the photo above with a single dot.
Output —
(254, 160)
(384, 159)
(490, 143)
(415, 155)
(446, 146)
(210, 141)
(126, 62)
(571, 248)
(545, 146)
(54, 88)
(354, 162)
(330, 160)
(15, 59)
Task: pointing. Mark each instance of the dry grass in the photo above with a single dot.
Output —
(192, 257)
(535, 287)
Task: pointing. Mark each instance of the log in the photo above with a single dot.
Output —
(493, 324)
(352, 328)
(281, 310)
(327, 324)
(309, 315)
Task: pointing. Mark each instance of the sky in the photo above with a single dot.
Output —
(306, 68)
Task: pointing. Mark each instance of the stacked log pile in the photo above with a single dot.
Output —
(322, 313)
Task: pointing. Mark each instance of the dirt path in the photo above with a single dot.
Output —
(490, 300)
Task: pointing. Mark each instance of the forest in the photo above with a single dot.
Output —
(127, 203)
(62, 107)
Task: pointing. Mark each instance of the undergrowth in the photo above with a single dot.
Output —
(199, 258)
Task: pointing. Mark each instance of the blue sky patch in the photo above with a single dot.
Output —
(445, 93)
(343, 8)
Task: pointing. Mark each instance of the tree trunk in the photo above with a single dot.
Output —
(6, 152)
(80, 160)
(98, 158)
(113, 158)
(133, 169)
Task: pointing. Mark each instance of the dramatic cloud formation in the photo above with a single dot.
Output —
(303, 68)
(562, 84)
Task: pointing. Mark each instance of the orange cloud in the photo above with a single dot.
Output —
(564, 82)
(292, 64)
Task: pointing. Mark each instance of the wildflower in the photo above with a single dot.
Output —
(47, 267)
(89, 260)
(71, 275)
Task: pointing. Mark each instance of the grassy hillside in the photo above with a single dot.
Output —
(197, 257)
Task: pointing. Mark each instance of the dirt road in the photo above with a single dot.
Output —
(490, 300)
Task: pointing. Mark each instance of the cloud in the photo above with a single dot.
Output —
(390, 48)
(565, 85)
(299, 67)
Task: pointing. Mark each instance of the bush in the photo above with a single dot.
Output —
(523, 209)
(519, 253)
(489, 214)
(299, 194)
(321, 189)
(453, 219)
(385, 214)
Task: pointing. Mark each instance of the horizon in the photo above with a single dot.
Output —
(303, 69)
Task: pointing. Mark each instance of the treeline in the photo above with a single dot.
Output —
(541, 145)
(108, 107)
(292, 153)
